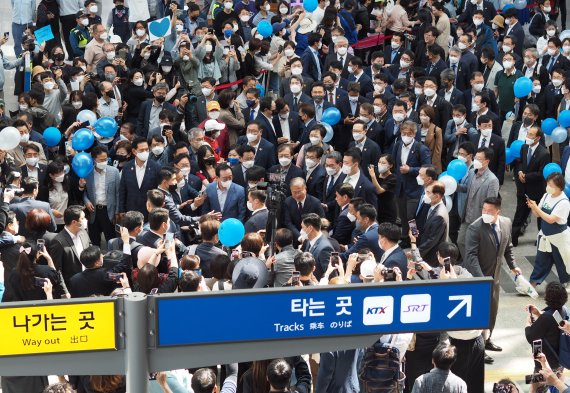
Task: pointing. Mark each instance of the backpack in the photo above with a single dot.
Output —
(529, 39)
(380, 369)
(563, 355)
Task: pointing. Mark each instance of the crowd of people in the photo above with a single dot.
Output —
(228, 116)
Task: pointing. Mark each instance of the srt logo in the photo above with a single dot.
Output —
(376, 310)
(416, 307)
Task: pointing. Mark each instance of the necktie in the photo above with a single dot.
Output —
(319, 113)
(330, 185)
(331, 97)
(347, 179)
(341, 61)
(252, 115)
(483, 142)
(384, 256)
(300, 205)
(295, 102)
(495, 234)
(529, 156)
(421, 203)
(430, 68)
(430, 212)
(550, 64)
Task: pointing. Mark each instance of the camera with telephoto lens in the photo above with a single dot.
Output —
(533, 378)
(276, 189)
(502, 388)
(389, 274)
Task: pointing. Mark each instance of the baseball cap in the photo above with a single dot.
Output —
(278, 26)
(250, 273)
(213, 106)
(80, 14)
(367, 268)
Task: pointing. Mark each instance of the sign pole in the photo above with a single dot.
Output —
(136, 329)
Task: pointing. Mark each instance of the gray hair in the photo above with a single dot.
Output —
(335, 155)
(448, 74)
(455, 49)
(297, 181)
(194, 132)
(160, 86)
(533, 52)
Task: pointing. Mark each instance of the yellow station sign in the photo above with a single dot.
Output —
(57, 328)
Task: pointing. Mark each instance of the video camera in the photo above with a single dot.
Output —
(276, 193)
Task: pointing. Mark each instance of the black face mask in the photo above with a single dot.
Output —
(172, 188)
(59, 57)
(210, 161)
(527, 121)
(110, 94)
(160, 99)
(121, 158)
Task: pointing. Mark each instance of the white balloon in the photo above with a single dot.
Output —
(87, 115)
(450, 184)
(565, 34)
(9, 138)
(448, 203)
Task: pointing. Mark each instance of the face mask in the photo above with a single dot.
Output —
(284, 161)
(507, 48)
(49, 85)
(551, 52)
(251, 137)
(24, 138)
(318, 99)
(351, 217)
(404, 64)
(461, 158)
(427, 199)
(462, 46)
(284, 116)
(550, 33)
(185, 58)
(214, 115)
(93, 9)
(527, 121)
(315, 140)
(486, 132)
(228, 5)
(550, 190)
(508, 64)
(329, 86)
(226, 184)
(364, 119)
(477, 22)
(342, 51)
(477, 164)
(210, 161)
(85, 22)
(508, 22)
(346, 169)
(297, 71)
(566, 48)
(33, 161)
(295, 88)
(453, 60)
(160, 99)
(420, 180)
(424, 119)
(357, 136)
(157, 150)
(487, 218)
(536, 89)
(244, 18)
(140, 32)
(247, 164)
(181, 184)
(283, 10)
(458, 120)
(377, 110)
(110, 77)
(84, 224)
(208, 47)
(59, 57)
(179, 28)
(166, 69)
(382, 168)
(529, 141)
(250, 206)
(418, 91)
(206, 91)
(407, 140)
(228, 33)
(143, 156)
(310, 163)
(104, 35)
(186, 170)
(110, 55)
(267, 8)
(352, 99)
(250, 103)
(395, 45)
(304, 235)
(429, 92)
(478, 87)
(547, 9)
(23, 107)
(146, 56)
(289, 52)
(399, 117)
(475, 108)
(330, 171)
(557, 82)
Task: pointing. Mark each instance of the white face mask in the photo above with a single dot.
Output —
(110, 55)
(427, 199)
(382, 168)
(550, 190)
(206, 91)
(157, 150)
(284, 161)
(557, 82)
(167, 69)
(315, 140)
(453, 60)
(296, 71)
(395, 45)
(351, 217)
(49, 85)
(104, 35)
(461, 158)
(77, 104)
(295, 88)
(407, 140)
(93, 9)
(529, 141)
(462, 46)
(508, 64)
(357, 136)
(551, 52)
(487, 218)
(458, 120)
(283, 10)
(143, 156)
(547, 9)
(244, 18)
(507, 48)
(250, 206)
(475, 107)
(536, 89)
(85, 22)
(566, 48)
(377, 110)
(346, 169)
(550, 33)
(424, 119)
(138, 81)
(247, 164)
(404, 64)
(146, 56)
(478, 87)
(24, 138)
(179, 28)
(365, 119)
(310, 163)
(23, 107)
(477, 21)
(486, 132)
(214, 115)
(477, 164)
(185, 171)
(418, 91)
(140, 32)
(379, 88)
(304, 235)
(101, 165)
(251, 137)
(267, 8)
(32, 161)
(429, 92)
(399, 117)
(289, 52)
(420, 180)
(330, 171)
(226, 184)
(342, 50)
(84, 224)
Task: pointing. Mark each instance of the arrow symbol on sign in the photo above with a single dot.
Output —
(465, 301)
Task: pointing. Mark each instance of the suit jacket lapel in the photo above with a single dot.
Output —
(71, 244)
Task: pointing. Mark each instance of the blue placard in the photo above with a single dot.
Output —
(270, 314)
(43, 34)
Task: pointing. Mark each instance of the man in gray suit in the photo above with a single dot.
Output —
(484, 184)
(256, 205)
(283, 261)
(101, 196)
(487, 245)
(316, 243)
(28, 202)
(440, 378)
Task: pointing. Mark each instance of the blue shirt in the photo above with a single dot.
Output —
(23, 11)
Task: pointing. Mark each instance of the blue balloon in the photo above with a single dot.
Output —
(231, 232)
(106, 127)
(564, 118)
(506, 7)
(82, 164)
(261, 89)
(551, 168)
(523, 87)
(310, 5)
(264, 28)
(509, 157)
(442, 174)
(559, 135)
(331, 116)
(457, 169)
(548, 125)
(516, 148)
(52, 136)
(330, 133)
(520, 4)
(567, 190)
(82, 139)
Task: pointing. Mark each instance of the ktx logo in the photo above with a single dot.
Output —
(415, 308)
(378, 310)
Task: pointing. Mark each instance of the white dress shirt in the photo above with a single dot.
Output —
(76, 243)
(32, 172)
(352, 179)
(100, 189)
(140, 170)
(405, 153)
(222, 196)
(285, 127)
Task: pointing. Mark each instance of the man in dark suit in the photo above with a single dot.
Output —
(536, 70)
(66, 248)
(314, 172)
(441, 107)
(315, 243)
(480, 108)
(151, 108)
(519, 129)
(289, 122)
(224, 196)
(296, 97)
(529, 178)
(373, 128)
(344, 223)
(246, 159)
(509, 46)
(477, 83)
(409, 156)
(392, 125)
(207, 249)
(312, 63)
(299, 204)
(318, 95)
(486, 138)
(271, 130)
(457, 131)
(340, 54)
(515, 29)
(308, 122)
(138, 176)
(251, 112)
(363, 188)
(349, 108)
(265, 156)
(366, 217)
(98, 279)
(436, 227)
(436, 63)
(401, 69)
(28, 202)
(460, 68)
(357, 75)
(448, 91)
(333, 93)
(10, 244)
(487, 246)
(370, 149)
(389, 235)
(256, 205)
(34, 169)
(208, 94)
(393, 52)
(333, 180)
(554, 59)
(286, 168)
(489, 12)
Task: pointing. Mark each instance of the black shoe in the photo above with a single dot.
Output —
(515, 240)
(489, 359)
(489, 346)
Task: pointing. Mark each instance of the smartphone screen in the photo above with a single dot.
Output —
(536, 347)
(39, 282)
(413, 227)
(41, 244)
(168, 239)
(296, 278)
(117, 228)
(154, 291)
(558, 318)
(6, 34)
(447, 264)
(334, 258)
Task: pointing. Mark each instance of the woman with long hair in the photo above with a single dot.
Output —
(384, 181)
(58, 186)
(207, 164)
